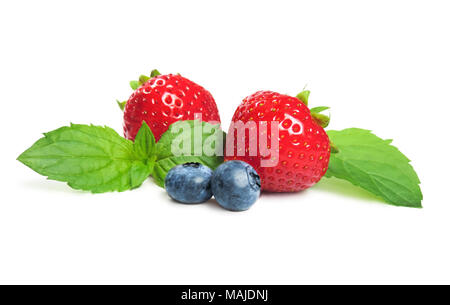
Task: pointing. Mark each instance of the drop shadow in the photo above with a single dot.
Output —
(286, 195)
(345, 189)
(211, 203)
(214, 205)
(53, 186)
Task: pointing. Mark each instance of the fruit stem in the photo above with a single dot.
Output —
(304, 96)
(321, 119)
(333, 148)
(154, 73)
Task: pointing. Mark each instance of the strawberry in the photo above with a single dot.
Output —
(164, 99)
(304, 147)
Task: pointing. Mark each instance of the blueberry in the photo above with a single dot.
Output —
(189, 183)
(236, 185)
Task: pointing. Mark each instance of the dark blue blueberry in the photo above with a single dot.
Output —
(236, 185)
(189, 183)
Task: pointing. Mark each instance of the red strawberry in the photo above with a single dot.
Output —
(304, 147)
(165, 99)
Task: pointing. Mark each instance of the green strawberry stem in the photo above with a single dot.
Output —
(321, 119)
(333, 148)
(143, 79)
(134, 84)
(154, 73)
(319, 109)
(121, 104)
(304, 96)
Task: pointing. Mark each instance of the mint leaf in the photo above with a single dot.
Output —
(144, 143)
(88, 157)
(134, 84)
(188, 141)
(374, 164)
(200, 138)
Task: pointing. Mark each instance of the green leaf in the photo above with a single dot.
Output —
(319, 109)
(134, 84)
(121, 104)
(333, 148)
(374, 164)
(188, 141)
(144, 143)
(143, 79)
(304, 96)
(154, 73)
(321, 119)
(87, 157)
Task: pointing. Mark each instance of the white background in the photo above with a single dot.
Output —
(380, 65)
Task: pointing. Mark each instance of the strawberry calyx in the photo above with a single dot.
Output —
(144, 78)
(319, 109)
(121, 104)
(304, 96)
(134, 84)
(333, 148)
(321, 119)
(154, 73)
